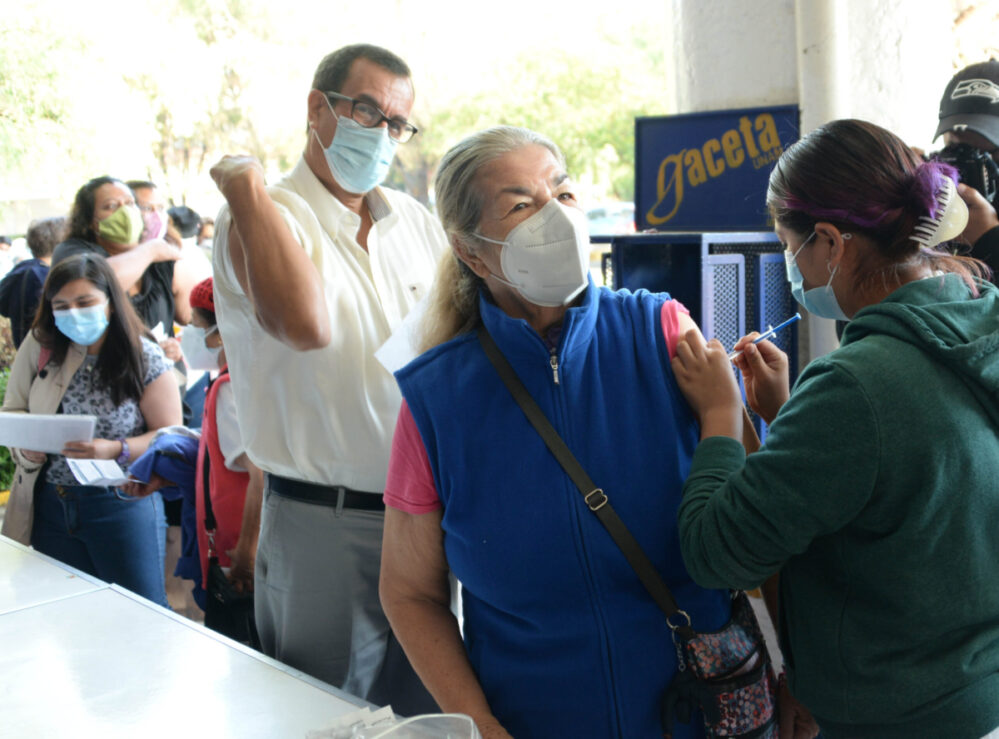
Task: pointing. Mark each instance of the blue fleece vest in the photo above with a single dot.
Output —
(558, 628)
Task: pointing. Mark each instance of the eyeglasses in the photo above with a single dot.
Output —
(370, 116)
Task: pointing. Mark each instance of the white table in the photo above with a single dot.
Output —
(82, 658)
(30, 579)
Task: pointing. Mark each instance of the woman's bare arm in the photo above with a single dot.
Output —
(416, 597)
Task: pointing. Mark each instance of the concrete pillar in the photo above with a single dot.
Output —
(734, 54)
(872, 59)
(823, 68)
(886, 61)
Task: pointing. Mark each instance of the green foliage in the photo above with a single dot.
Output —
(6, 462)
(586, 108)
(7, 348)
(215, 22)
(30, 104)
(6, 360)
(229, 76)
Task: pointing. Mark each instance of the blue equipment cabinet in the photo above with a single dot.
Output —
(767, 300)
(732, 283)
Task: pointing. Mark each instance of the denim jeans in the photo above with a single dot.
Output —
(104, 533)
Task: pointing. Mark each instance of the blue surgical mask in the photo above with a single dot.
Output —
(83, 326)
(819, 301)
(359, 158)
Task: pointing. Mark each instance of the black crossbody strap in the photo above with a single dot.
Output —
(594, 497)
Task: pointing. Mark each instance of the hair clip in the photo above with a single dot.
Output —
(949, 222)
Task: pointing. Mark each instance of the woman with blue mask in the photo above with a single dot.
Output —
(875, 494)
(87, 355)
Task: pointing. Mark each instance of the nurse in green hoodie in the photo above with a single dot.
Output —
(876, 494)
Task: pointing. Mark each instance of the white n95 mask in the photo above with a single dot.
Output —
(546, 258)
(197, 355)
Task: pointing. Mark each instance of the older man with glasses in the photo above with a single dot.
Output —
(312, 275)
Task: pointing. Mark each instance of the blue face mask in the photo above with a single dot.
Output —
(358, 157)
(82, 326)
(819, 301)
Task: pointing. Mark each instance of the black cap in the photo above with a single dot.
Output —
(186, 220)
(971, 101)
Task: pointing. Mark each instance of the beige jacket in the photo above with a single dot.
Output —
(31, 391)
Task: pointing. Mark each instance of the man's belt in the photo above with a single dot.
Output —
(335, 496)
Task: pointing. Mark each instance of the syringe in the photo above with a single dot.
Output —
(771, 330)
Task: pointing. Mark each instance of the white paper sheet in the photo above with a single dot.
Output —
(38, 432)
(159, 332)
(400, 348)
(97, 471)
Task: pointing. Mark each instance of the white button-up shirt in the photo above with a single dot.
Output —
(327, 416)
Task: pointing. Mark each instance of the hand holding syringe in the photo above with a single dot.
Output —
(771, 330)
(764, 372)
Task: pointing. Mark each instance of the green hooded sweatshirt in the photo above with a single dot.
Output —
(876, 495)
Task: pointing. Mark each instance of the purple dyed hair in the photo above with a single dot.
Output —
(861, 177)
(925, 184)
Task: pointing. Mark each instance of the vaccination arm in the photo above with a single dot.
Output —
(750, 440)
(416, 597)
(709, 385)
(272, 268)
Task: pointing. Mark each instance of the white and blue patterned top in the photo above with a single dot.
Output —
(85, 396)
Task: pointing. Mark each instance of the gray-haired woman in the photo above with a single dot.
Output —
(560, 639)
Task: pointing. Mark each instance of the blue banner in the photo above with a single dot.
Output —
(709, 171)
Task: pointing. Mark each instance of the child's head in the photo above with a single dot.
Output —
(203, 304)
(202, 346)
